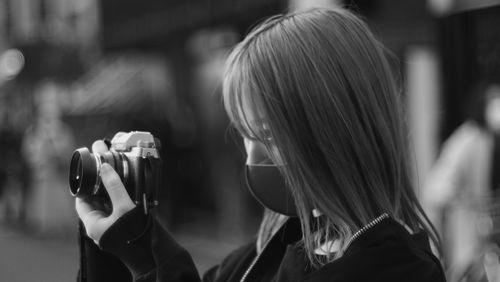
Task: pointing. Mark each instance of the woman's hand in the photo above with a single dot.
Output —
(93, 214)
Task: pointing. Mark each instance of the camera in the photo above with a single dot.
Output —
(134, 156)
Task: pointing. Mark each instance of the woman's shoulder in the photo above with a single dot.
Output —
(387, 252)
(234, 264)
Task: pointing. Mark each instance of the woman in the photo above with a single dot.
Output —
(315, 101)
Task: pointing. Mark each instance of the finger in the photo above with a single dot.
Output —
(89, 204)
(99, 147)
(117, 193)
(82, 207)
(87, 213)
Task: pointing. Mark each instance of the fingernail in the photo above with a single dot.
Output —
(105, 168)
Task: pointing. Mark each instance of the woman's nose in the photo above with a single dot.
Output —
(256, 152)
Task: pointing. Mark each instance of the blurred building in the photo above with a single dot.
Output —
(469, 43)
(127, 64)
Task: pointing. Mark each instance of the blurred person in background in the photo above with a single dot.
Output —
(46, 146)
(14, 172)
(318, 107)
(462, 192)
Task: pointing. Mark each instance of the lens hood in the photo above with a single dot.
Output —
(83, 173)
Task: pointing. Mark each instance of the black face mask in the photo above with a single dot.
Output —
(266, 184)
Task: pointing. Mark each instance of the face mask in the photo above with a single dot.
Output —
(269, 188)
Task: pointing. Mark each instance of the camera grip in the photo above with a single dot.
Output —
(147, 180)
(152, 176)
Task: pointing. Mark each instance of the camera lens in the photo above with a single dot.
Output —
(83, 174)
(85, 168)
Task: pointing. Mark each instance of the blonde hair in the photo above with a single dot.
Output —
(331, 106)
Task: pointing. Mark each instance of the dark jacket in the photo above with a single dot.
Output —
(386, 252)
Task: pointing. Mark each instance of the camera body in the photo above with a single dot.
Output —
(134, 156)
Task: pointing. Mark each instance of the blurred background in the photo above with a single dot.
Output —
(72, 72)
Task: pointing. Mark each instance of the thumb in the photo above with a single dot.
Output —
(120, 199)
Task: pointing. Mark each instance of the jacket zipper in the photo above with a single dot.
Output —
(254, 262)
(366, 228)
(354, 237)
